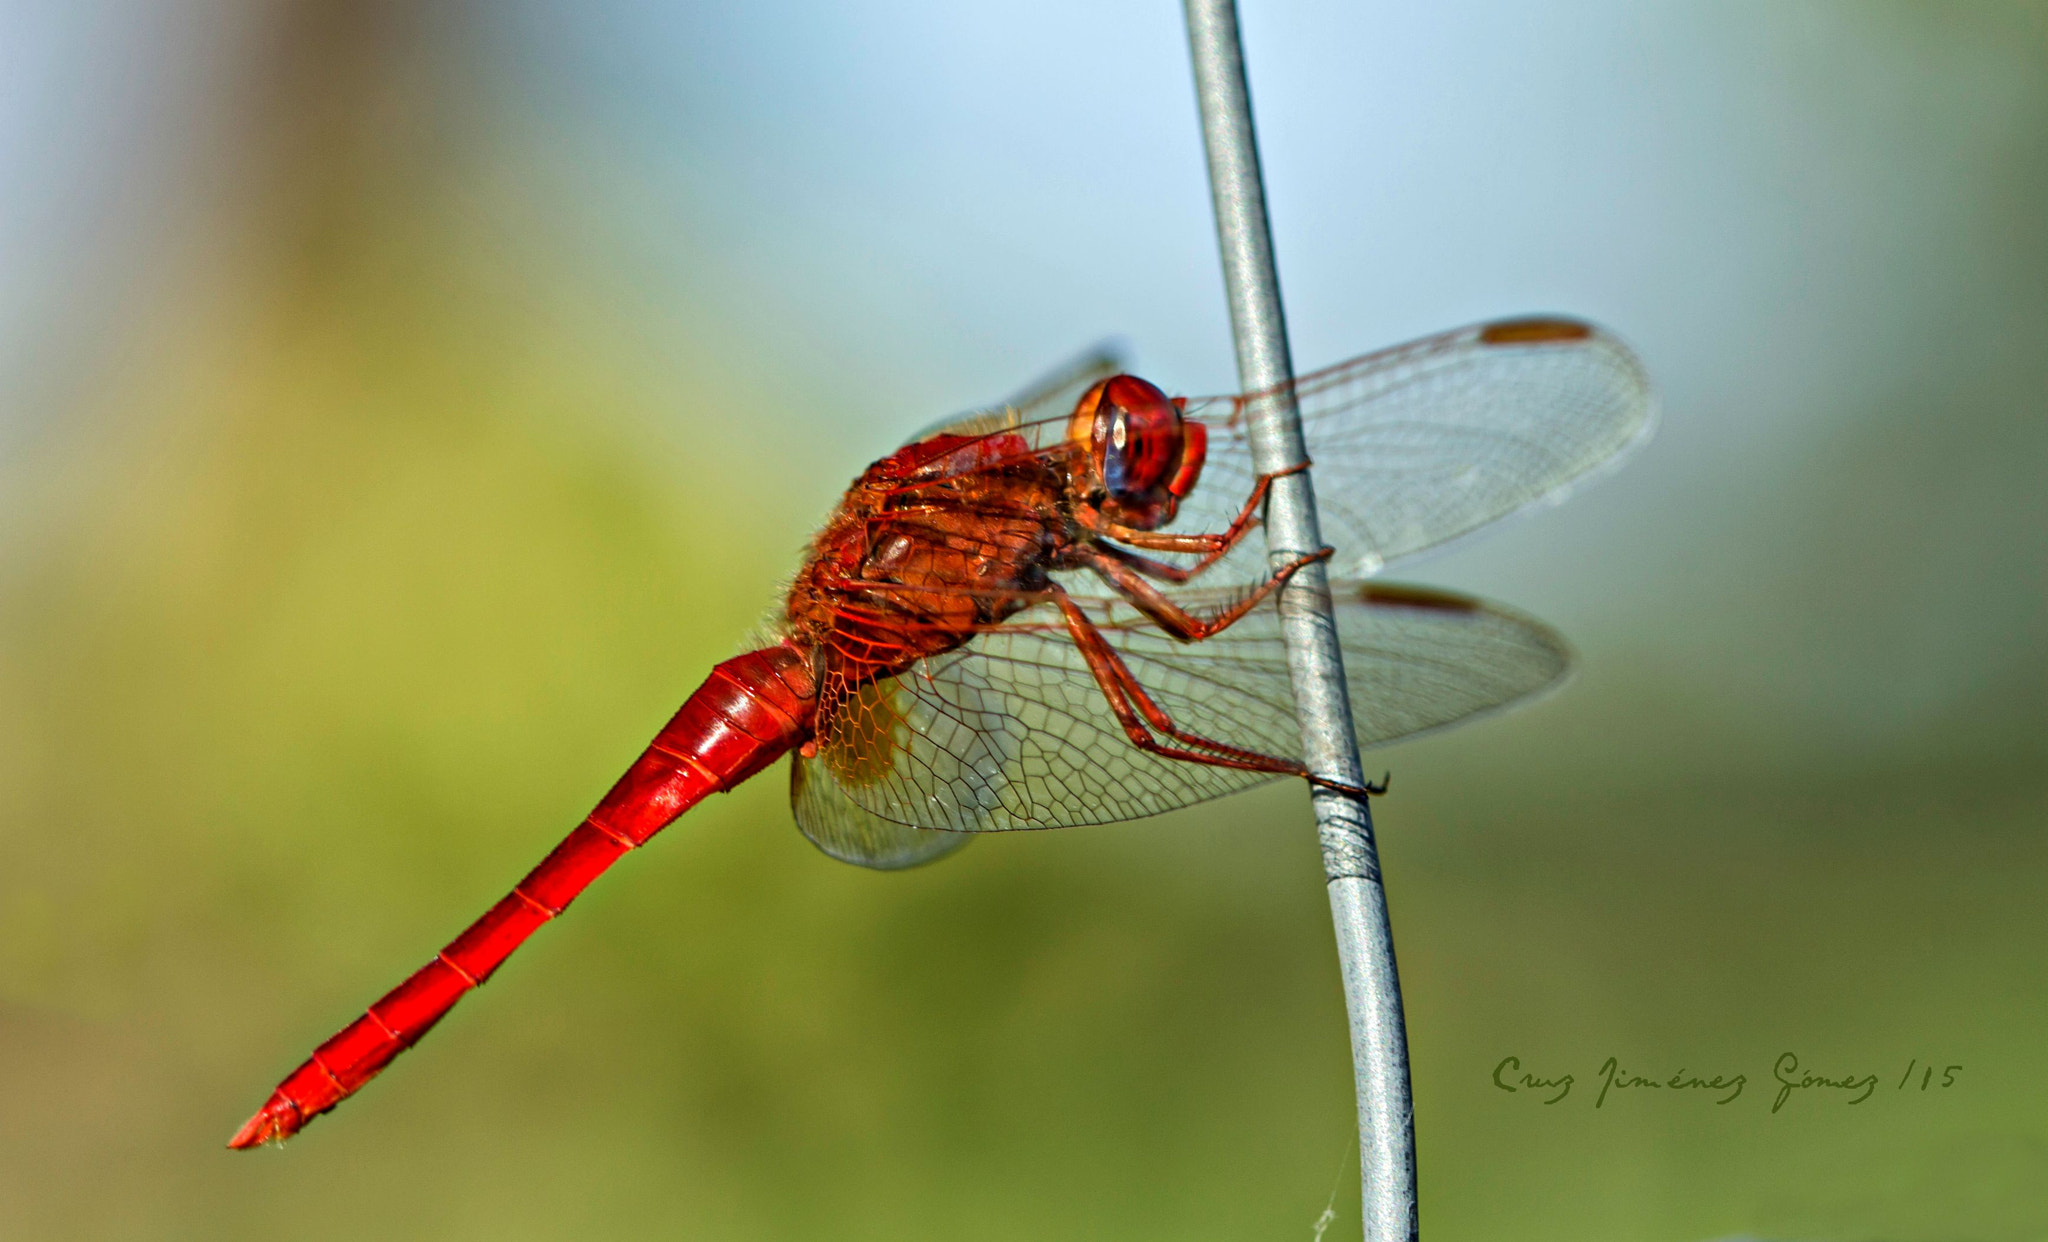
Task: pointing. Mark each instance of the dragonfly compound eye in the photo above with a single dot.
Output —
(1137, 439)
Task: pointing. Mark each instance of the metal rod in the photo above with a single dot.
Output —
(1358, 905)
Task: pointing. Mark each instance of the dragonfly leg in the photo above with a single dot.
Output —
(1135, 710)
(1125, 573)
(1211, 548)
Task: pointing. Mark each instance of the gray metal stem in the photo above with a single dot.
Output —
(1358, 905)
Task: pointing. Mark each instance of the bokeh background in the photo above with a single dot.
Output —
(401, 405)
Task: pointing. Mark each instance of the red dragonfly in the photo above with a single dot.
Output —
(1047, 614)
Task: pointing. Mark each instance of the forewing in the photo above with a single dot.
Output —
(1012, 730)
(1051, 396)
(1419, 444)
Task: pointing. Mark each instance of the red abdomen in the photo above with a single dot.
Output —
(747, 714)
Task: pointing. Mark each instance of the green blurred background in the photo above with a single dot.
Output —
(401, 405)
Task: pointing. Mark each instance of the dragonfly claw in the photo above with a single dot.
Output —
(1370, 789)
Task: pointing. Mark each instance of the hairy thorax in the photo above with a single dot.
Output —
(921, 555)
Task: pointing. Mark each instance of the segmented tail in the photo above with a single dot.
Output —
(747, 714)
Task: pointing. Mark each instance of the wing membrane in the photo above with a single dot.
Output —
(1417, 445)
(1012, 732)
(1413, 446)
(841, 828)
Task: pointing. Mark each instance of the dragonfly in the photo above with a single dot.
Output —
(1048, 613)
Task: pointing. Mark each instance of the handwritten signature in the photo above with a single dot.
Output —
(1791, 1080)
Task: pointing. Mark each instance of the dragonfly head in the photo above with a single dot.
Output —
(1142, 456)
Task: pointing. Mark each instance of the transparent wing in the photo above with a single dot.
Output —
(1011, 731)
(841, 828)
(1417, 445)
(1049, 398)
(1419, 659)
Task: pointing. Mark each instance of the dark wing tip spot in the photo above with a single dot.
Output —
(1394, 595)
(1537, 330)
